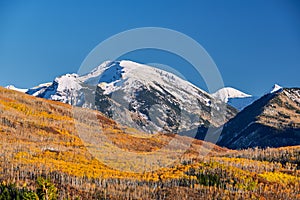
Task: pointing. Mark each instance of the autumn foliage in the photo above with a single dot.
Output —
(43, 152)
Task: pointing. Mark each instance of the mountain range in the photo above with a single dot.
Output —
(139, 96)
(153, 100)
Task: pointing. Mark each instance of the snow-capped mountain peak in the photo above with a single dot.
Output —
(94, 77)
(68, 81)
(110, 76)
(276, 88)
(234, 97)
(228, 92)
(139, 96)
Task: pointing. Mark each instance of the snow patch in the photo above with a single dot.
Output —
(12, 87)
(276, 88)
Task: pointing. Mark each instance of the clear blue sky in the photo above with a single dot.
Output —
(254, 43)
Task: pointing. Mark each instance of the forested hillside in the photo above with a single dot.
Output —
(43, 145)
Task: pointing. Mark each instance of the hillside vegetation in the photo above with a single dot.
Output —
(73, 153)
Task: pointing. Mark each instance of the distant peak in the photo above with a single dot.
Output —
(276, 88)
(233, 91)
(12, 87)
(228, 92)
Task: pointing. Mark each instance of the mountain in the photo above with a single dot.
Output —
(271, 121)
(139, 96)
(234, 97)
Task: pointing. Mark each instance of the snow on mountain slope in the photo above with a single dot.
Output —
(139, 96)
(132, 76)
(228, 92)
(234, 97)
(12, 87)
(154, 99)
(276, 88)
